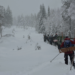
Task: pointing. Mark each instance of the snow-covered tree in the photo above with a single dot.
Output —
(20, 20)
(26, 20)
(54, 23)
(41, 17)
(1, 18)
(8, 16)
(68, 15)
(48, 11)
(14, 21)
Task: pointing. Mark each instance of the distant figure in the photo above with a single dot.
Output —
(51, 39)
(45, 37)
(55, 36)
(48, 38)
(55, 40)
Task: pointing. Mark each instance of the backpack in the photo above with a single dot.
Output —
(67, 43)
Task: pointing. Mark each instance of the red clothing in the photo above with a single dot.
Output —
(62, 45)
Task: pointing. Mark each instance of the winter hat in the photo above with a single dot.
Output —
(66, 36)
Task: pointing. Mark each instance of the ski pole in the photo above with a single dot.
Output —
(72, 63)
(54, 57)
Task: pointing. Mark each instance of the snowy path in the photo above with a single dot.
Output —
(28, 60)
(53, 69)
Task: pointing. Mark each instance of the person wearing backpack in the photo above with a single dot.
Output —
(68, 43)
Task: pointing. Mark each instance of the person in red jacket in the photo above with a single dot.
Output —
(69, 53)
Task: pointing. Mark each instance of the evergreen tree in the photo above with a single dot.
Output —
(68, 14)
(41, 18)
(8, 16)
(1, 18)
(48, 12)
(43, 11)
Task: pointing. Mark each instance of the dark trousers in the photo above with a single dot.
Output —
(50, 42)
(66, 58)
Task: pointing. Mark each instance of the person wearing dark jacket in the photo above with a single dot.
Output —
(45, 37)
(55, 37)
(69, 53)
(51, 39)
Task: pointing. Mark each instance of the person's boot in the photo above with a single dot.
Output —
(66, 61)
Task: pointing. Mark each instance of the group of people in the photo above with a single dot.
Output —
(50, 39)
(67, 42)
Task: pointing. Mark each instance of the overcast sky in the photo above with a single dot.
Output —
(26, 7)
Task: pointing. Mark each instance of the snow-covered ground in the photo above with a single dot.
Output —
(19, 54)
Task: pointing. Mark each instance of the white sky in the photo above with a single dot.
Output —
(26, 7)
